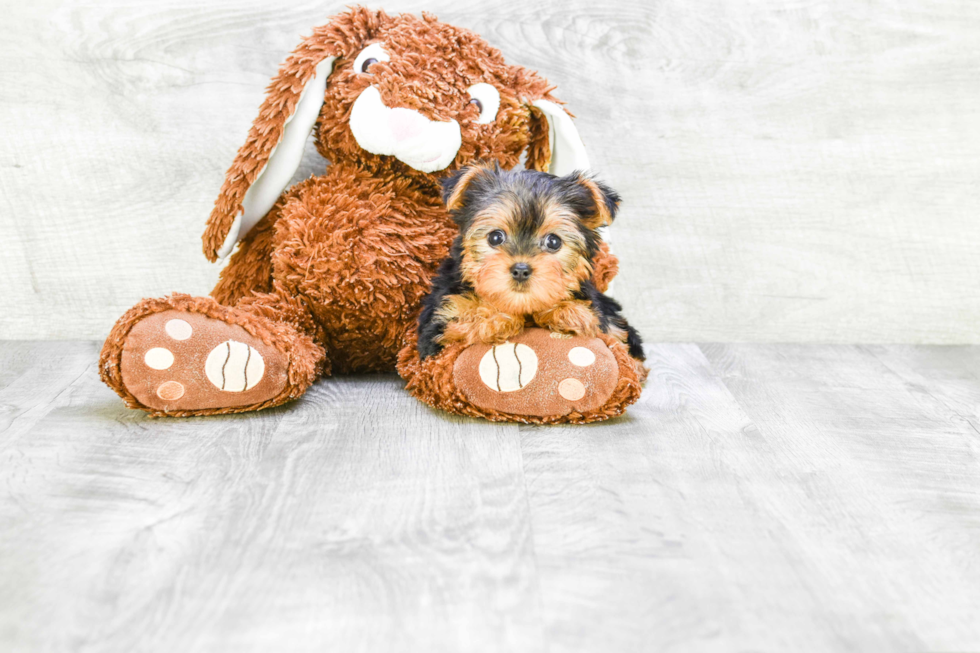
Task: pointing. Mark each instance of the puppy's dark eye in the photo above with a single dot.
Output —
(367, 64)
(496, 238)
(479, 105)
(552, 243)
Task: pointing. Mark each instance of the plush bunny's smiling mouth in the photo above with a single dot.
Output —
(425, 145)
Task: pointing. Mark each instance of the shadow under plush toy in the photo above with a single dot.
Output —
(329, 274)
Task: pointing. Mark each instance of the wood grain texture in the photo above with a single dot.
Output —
(791, 172)
(878, 492)
(767, 498)
(758, 497)
(355, 520)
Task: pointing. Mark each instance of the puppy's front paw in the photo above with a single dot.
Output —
(491, 329)
(570, 318)
(499, 328)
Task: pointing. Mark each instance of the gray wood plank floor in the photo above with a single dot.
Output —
(759, 497)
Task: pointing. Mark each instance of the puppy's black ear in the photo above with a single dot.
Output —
(605, 201)
(455, 186)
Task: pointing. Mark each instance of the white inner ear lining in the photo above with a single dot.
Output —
(284, 158)
(567, 150)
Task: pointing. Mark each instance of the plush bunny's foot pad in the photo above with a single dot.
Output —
(191, 356)
(538, 377)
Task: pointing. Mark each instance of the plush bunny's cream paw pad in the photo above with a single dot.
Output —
(537, 377)
(178, 361)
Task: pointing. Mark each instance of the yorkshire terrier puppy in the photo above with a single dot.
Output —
(523, 257)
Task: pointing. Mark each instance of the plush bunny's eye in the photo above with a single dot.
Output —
(372, 54)
(487, 101)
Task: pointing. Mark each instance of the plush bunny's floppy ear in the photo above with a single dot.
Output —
(283, 160)
(274, 147)
(566, 152)
(271, 154)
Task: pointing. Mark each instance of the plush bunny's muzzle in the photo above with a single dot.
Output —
(425, 145)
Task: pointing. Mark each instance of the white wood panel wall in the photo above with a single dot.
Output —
(791, 171)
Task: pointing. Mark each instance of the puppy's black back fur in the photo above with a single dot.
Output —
(448, 281)
(610, 315)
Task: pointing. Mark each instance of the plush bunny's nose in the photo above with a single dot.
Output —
(520, 271)
(405, 123)
(424, 144)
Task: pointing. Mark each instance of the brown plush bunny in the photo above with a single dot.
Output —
(329, 274)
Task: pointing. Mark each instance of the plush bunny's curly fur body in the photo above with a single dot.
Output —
(340, 262)
(360, 252)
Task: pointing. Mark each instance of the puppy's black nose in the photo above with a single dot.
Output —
(520, 271)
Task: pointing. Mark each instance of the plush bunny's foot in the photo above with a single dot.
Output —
(191, 356)
(536, 377)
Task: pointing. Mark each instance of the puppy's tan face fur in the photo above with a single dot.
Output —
(525, 254)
